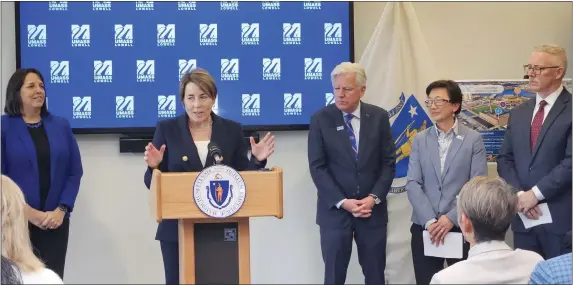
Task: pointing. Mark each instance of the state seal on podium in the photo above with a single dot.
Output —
(219, 191)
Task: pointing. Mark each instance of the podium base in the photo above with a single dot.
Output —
(216, 253)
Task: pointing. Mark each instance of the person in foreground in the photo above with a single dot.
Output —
(16, 246)
(556, 270)
(181, 145)
(10, 273)
(486, 207)
(535, 156)
(443, 159)
(40, 153)
(351, 155)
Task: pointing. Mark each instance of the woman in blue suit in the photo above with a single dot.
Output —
(181, 144)
(40, 153)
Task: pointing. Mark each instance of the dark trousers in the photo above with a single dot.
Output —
(336, 245)
(426, 266)
(170, 252)
(539, 240)
(51, 246)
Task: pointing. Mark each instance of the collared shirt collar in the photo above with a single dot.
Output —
(483, 247)
(356, 112)
(454, 128)
(551, 98)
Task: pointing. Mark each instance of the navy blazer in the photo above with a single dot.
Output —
(548, 166)
(336, 173)
(175, 134)
(19, 161)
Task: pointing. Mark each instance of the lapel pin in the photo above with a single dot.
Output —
(340, 128)
(460, 137)
(184, 158)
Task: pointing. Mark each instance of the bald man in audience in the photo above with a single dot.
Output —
(486, 207)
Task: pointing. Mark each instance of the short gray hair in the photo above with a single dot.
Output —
(490, 204)
(350, 67)
(556, 51)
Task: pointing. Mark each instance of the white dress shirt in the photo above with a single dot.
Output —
(203, 150)
(550, 99)
(355, 122)
(492, 262)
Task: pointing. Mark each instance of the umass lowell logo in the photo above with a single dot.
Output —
(250, 34)
(271, 68)
(123, 35)
(230, 69)
(37, 36)
(80, 35)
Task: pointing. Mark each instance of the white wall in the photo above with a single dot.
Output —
(112, 233)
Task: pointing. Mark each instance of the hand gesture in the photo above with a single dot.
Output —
(527, 200)
(440, 229)
(264, 148)
(364, 209)
(152, 156)
(37, 218)
(53, 219)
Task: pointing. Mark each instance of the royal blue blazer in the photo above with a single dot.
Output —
(19, 161)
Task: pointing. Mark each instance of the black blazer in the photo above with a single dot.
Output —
(174, 133)
(548, 166)
(335, 172)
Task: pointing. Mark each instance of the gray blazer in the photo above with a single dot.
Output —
(433, 193)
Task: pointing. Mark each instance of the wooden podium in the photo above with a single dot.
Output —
(203, 258)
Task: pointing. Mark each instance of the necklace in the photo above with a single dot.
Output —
(201, 129)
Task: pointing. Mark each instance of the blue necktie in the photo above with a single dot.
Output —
(350, 131)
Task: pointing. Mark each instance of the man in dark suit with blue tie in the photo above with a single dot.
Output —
(535, 156)
(351, 156)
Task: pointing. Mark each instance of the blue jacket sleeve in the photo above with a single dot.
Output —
(158, 141)
(241, 159)
(505, 160)
(327, 189)
(75, 171)
(387, 160)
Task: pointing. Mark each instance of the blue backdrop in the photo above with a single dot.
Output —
(118, 64)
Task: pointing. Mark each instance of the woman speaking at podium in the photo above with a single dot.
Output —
(181, 145)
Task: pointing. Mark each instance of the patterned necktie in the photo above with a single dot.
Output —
(537, 123)
(350, 131)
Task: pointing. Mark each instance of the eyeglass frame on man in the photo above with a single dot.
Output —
(536, 68)
(438, 101)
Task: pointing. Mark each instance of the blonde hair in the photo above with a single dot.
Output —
(557, 52)
(16, 244)
(350, 67)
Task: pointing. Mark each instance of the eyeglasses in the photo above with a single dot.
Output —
(439, 102)
(536, 68)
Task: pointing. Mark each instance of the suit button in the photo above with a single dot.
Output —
(358, 173)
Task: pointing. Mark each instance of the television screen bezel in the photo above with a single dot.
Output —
(150, 130)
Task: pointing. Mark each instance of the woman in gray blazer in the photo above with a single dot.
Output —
(444, 157)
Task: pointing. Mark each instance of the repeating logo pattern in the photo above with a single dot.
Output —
(128, 58)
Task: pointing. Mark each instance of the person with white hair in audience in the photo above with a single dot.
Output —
(486, 207)
(16, 245)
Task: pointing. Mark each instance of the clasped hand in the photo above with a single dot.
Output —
(47, 220)
(440, 229)
(359, 208)
(528, 204)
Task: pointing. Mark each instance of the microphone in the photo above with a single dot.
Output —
(215, 152)
(526, 76)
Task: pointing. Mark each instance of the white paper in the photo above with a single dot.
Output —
(452, 247)
(545, 217)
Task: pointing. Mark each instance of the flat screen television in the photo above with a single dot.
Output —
(114, 67)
